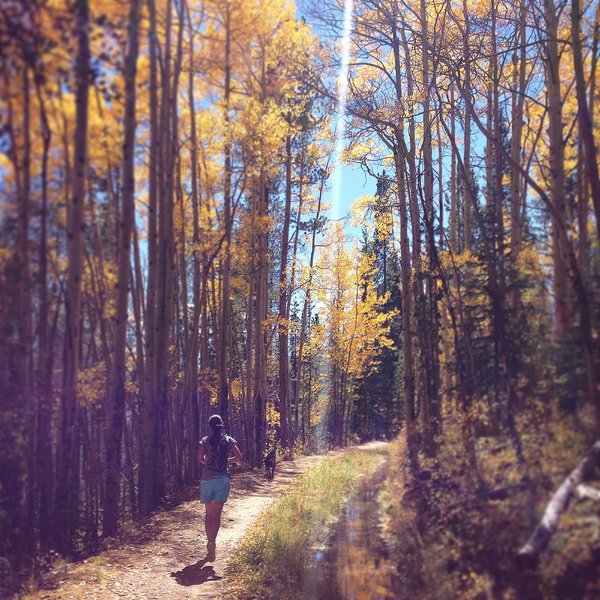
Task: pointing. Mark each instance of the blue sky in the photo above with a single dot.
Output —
(354, 182)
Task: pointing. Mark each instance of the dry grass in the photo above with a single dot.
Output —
(272, 559)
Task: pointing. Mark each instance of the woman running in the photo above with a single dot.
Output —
(214, 453)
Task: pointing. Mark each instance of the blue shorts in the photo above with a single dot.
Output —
(215, 489)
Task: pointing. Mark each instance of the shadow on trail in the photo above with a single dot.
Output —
(196, 574)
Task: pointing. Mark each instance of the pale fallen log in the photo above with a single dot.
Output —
(587, 492)
(558, 504)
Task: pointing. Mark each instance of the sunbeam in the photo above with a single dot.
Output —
(340, 124)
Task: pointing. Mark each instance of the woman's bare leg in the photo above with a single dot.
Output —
(212, 519)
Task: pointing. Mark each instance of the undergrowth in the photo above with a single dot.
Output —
(453, 538)
(272, 559)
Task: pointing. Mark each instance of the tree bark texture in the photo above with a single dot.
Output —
(116, 407)
(67, 490)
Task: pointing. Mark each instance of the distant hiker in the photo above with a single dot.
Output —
(214, 454)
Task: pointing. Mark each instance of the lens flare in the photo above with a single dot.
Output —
(340, 123)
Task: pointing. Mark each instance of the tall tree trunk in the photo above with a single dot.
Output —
(25, 365)
(284, 317)
(203, 393)
(583, 253)
(164, 279)
(440, 178)
(304, 323)
(429, 325)
(116, 406)
(223, 364)
(518, 103)
(417, 278)
(293, 405)
(405, 262)
(260, 369)
(590, 150)
(453, 190)
(469, 198)
(407, 330)
(411, 159)
(166, 249)
(44, 463)
(562, 310)
(149, 438)
(198, 283)
(250, 341)
(67, 496)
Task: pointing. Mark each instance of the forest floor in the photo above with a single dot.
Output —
(164, 558)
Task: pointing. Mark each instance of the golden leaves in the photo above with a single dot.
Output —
(92, 385)
(357, 326)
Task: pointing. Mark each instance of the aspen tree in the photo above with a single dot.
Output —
(116, 409)
(67, 488)
(562, 311)
(586, 126)
(149, 438)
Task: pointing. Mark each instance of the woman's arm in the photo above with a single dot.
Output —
(201, 454)
(237, 455)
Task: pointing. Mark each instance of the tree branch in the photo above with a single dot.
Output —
(559, 504)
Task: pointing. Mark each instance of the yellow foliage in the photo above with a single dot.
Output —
(361, 207)
(357, 329)
(273, 416)
(92, 385)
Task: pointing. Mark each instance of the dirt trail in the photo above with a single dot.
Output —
(164, 558)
